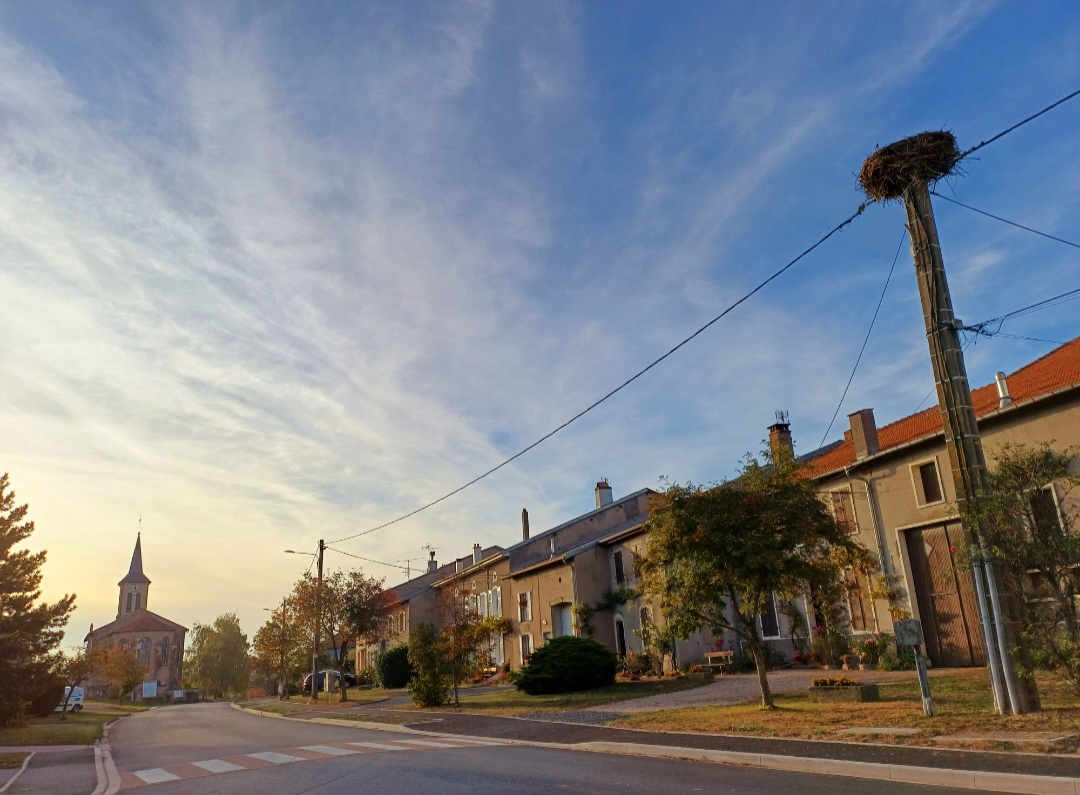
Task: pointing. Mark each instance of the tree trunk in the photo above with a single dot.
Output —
(760, 662)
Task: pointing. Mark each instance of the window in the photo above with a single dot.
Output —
(927, 484)
(401, 621)
(858, 602)
(496, 602)
(525, 606)
(163, 655)
(844, 511)
(1044, 511)
(138, 600)
(770, 620)
(144, 651)
(644, 617)
(483, 602)
(526, 648)
(128, 608)
(620, 638)
(620, 575)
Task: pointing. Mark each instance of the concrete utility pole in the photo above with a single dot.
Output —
(904, 170)
(318, 626)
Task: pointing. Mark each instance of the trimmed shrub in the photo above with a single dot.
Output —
(567, 663)
(431, 680)
(392, 668)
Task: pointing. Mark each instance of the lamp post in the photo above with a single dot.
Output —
(318, 619)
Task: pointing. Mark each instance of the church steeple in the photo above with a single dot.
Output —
(135, 587)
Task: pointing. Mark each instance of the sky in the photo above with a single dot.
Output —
(271, 273)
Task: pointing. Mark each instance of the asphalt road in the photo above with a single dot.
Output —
(210, 749)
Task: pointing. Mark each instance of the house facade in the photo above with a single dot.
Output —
(891, 488)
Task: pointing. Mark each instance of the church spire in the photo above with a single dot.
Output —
(135, 572)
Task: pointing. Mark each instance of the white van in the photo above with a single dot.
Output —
(74, 700)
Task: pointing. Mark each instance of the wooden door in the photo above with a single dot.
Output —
(946, 597)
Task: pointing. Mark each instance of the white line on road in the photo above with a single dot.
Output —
(427, 744)
(381, 746)
(218, 766)
(329, 750)
(156, 775)
(276, 758)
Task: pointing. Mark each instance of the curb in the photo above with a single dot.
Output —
(13, 779)
(904, 774)
(107, 775)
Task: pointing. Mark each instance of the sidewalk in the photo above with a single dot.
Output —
(55, 770)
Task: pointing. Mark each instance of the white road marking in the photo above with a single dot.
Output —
(218, 766)
(276, 758)
(471, 741)
(156, 775)
(381, 746)
(428, 744)
(329, 750)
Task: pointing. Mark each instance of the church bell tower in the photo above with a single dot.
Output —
(135, 587)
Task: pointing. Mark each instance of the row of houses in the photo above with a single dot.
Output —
(888, 486)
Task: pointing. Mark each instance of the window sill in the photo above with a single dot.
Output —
(930, 504)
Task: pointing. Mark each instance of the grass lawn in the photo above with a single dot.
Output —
(79, 729)
(369, 695)
(963, 702)
(12, 761)
(515, 702)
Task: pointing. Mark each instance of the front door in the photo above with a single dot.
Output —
(945, 592)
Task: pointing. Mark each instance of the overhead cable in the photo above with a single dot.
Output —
(1006, 220)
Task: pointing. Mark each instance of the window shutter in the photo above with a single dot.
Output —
(855, 601)
(843, 511)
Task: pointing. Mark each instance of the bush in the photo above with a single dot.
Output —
(431, 679)
(568, 663)
(830, 645)
(48, 693)
(392, 668)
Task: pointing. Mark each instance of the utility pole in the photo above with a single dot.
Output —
(318, 626)
(903, 170)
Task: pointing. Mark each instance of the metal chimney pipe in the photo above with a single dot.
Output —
(1004, 399)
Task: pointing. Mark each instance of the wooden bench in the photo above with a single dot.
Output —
(720, 661)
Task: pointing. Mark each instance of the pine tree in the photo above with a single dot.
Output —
(30, 630)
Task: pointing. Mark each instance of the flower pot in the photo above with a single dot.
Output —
(828, 667)
(864, 667)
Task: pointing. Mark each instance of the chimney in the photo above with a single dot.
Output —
(780, 436)
(524, 525)
(864, 433)
(603, 494)
(477, 554)
(431, 564)
(551, 544)
(1004, 398)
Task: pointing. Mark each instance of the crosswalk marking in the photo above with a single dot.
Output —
(156, 775)
(329, 750)
(427, 744)
(381, 746)
(218, 766)
(275, 757)
(187, 770)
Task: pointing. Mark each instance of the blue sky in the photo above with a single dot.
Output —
(272, 273)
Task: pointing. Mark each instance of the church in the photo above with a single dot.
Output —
(156, 641)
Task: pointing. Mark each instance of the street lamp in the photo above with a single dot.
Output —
(318, 618)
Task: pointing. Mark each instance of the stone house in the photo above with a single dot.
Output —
(155, 640)
(891, 487)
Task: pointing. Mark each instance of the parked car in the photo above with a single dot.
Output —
(74, 700)
(335, 677)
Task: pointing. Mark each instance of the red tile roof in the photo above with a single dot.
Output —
(1059, 369)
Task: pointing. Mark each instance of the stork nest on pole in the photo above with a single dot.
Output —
(892, 169)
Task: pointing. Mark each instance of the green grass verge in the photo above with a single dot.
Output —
(514, 702)
(79, 729)
(963, 702)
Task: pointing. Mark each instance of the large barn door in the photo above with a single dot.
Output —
(947, 604)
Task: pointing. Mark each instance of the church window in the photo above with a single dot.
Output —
(144, 651)
(128, 608)
(164, 651)
(138, 600)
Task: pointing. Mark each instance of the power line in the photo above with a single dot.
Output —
(1016, 126)
(369, 560)
(1028, 339)
(1006, 221)
(620, 387)
(981, 327)
(865, 339)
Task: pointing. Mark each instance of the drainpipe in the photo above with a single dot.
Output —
(876, 525)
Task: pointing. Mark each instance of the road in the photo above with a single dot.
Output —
(210, 749)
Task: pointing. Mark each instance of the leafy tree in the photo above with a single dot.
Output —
(353, 606)
(282, 646)
(1029, 531)
(392, 668)
(217, 656)
(716, 556)
(464, 635)
(75, 667)
(431, 681)
(120, 668)
(568, 663)
(30, 630)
